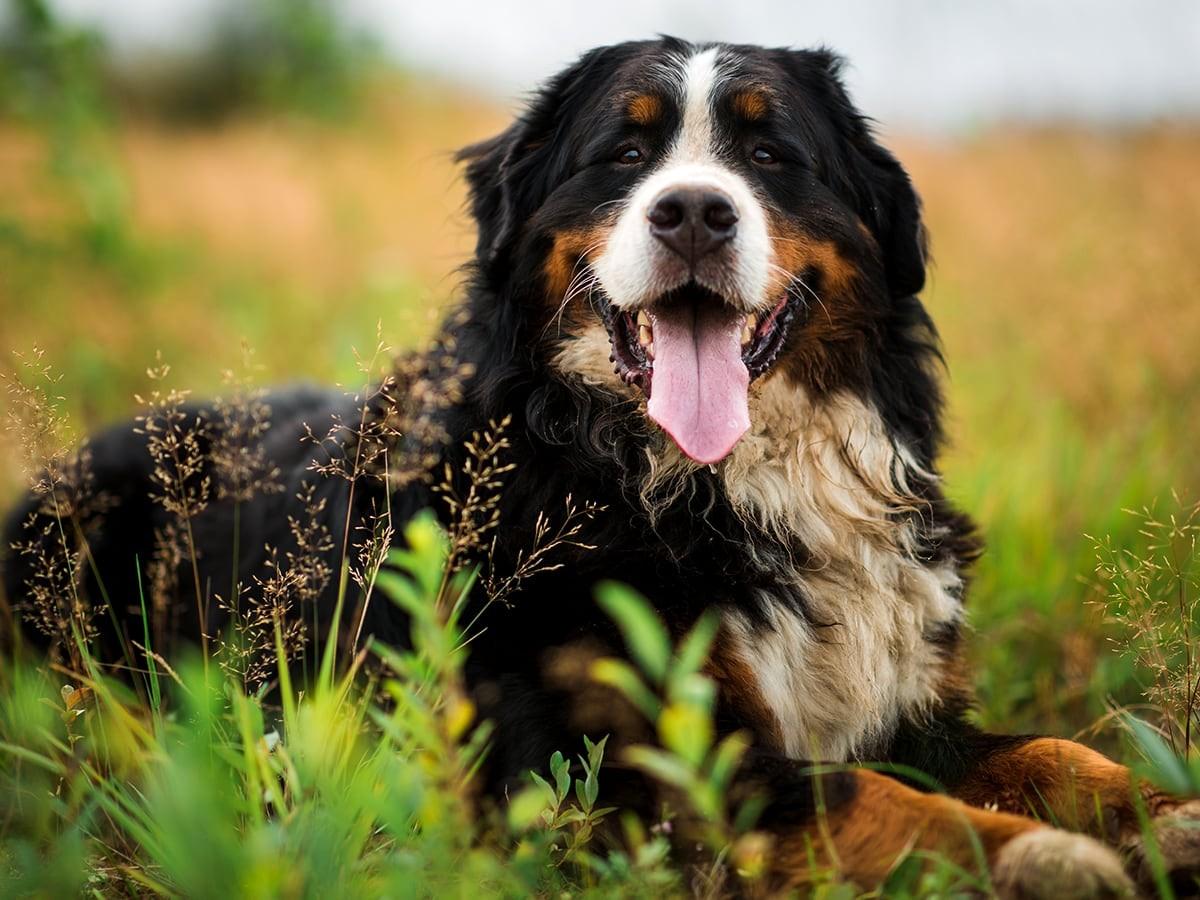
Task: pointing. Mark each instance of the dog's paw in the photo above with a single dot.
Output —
(1176, 827)
(1048, 863)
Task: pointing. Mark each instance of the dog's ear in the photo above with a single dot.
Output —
(893, 213)
(882, 191)
(510, 175)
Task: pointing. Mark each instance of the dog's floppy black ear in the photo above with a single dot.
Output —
(893, 214)
(883, 193)
(511, 174)
(489, 165)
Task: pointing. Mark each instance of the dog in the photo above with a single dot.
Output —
(694, 303)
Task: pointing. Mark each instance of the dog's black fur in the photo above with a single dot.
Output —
(546, 175)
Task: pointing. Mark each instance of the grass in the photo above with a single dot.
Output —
(1065, 289)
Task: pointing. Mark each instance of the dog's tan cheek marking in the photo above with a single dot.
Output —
(564, 262)
(796, 251)
(829, 349)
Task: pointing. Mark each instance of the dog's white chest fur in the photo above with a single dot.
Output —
(828, 476)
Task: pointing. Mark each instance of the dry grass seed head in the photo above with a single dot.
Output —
(176, 439)
(243, 418)
(1154, 594)
(539, 556)
(472, 497)
(54, 544)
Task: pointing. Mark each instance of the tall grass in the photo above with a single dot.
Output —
(359, 774)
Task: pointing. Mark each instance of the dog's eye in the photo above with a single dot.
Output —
(629, 156)
(762, 156)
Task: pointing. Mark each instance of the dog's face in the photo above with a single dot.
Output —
(684, 221)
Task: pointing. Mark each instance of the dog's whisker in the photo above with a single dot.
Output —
(583, 279)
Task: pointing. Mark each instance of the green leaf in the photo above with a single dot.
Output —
(591, 789)
(686, 731)
(423, 560)
(1163, 767)
(595, 751)
(693, 690)
(726, 758)
(587, 788)
(544, 785)
(619, 674)
(560, 768)
(647, 639)
(693, 652)
(904, 878)
(526, 809)
(571, 817)
(661, 765)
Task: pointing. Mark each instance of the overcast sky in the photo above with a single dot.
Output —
(914, 63)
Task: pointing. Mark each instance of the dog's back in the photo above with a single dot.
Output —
(102, 545)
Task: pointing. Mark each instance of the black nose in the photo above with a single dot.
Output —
(692, 221)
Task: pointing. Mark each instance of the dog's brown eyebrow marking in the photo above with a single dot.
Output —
(644, 109)
(751, 104)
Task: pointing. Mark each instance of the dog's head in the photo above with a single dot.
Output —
(682, 221)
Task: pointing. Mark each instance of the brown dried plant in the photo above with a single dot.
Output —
(474, 508)
(161, 581)
(55, 548)
(176, 439)
(357, 448)
(396, 438)
(399, 433)
(288, 587)
(428, 385)
(375, 534)
(548, 538)
(242, 471)
(243, 418)
(1153, 592)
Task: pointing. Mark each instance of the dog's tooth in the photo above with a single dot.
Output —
(645, 335)
(643, 319)
(748, 331)
(650, 351)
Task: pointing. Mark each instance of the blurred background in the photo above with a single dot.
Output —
(183, 176)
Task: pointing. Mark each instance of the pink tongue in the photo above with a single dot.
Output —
(699, 382)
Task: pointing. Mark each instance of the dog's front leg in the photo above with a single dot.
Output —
(1075, 787)
(861, 823)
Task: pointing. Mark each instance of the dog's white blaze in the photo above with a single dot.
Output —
(826, 475)
(634, 267)
(699, 80)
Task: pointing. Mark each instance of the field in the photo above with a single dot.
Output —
(1064, 285)
(1065, 288)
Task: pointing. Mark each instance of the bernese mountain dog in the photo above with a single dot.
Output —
(694, 303)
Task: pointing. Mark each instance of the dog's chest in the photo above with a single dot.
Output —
(836, 672)
(836, 677)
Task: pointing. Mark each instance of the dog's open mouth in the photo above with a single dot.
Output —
(694, 356)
